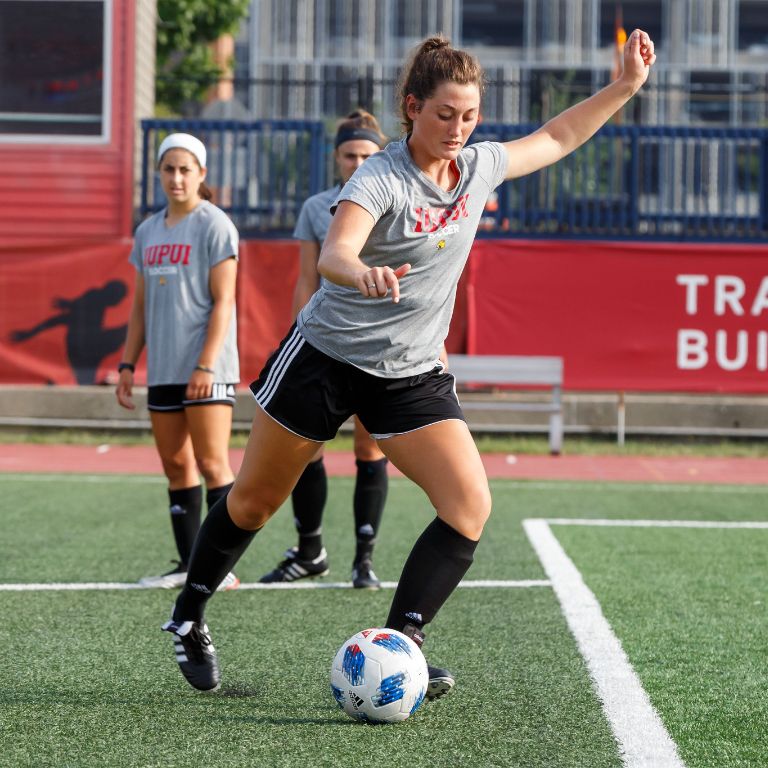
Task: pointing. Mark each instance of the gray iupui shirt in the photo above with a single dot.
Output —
(176, 263)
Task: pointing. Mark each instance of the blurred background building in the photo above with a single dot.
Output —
(317, 59)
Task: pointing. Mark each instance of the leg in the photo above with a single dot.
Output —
(185, 494)
(309, 558)
(210, 427)
(371, 485)
(443, 460)
(308, 500)
(274, 459)
(174, 446)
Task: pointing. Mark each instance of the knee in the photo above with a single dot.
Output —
(481, 507)
(214, 469)
(251, 511)
(471, 511)
(177, 470)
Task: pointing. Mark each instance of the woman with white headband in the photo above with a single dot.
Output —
(184, 313)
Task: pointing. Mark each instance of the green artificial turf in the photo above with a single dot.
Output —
(88, 679)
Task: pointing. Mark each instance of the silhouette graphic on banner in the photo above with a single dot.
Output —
(87, 341)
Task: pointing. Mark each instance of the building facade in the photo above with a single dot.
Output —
(320, 58)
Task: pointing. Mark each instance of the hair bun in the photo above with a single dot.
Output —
(435, 44)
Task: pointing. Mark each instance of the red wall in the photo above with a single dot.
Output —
(624, 316)
(63, 193)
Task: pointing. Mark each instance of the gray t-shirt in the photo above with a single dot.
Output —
(176, 263)
(418, 223)
(315, 216)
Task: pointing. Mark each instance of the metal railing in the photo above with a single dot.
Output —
(651, 182)
(260, 171)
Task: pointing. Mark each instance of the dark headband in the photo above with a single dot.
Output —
(358, 134)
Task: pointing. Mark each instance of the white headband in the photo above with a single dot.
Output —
(183, 141)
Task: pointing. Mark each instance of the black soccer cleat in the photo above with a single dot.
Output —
(195, 654)
(363, 576)
(441, 681)
(294, 568)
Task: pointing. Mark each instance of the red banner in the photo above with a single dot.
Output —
(63, 312)
(626, 316)
(266, 277)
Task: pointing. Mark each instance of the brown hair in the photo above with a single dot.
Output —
(359, 120)
(434, 62)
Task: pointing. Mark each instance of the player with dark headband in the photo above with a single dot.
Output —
(184, 313)
(348, 132)
(368, 342)
(358, 137)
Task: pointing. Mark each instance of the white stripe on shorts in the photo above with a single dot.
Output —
(284, 359)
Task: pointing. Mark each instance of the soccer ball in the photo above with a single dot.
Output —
(379, 676)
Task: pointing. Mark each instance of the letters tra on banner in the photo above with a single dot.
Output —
(626, 316)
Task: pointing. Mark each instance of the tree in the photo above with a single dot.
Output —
(185, 29)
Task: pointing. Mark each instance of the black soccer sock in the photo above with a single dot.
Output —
(371, 488)
(218, 546)
(308, 500)
(185, 505)
(437, 563)
(212, 495)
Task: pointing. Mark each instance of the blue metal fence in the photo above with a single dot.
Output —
(637, 182)
(260, 171)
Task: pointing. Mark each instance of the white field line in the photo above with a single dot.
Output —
(642, 738)
(657, 523)
(113, 585)
(617, 485)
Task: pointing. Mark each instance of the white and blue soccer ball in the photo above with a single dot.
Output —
(379, 676)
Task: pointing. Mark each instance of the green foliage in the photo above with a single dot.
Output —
(185, 65)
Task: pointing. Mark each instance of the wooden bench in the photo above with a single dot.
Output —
(513, 370)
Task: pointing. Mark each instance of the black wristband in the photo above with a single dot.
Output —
(204, 368)
(126, 367)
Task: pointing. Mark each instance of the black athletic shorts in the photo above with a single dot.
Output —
(170, 397)
(312, 395)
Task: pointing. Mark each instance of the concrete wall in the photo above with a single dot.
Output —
(584, 413)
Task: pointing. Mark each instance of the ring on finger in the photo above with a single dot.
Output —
(371, 285)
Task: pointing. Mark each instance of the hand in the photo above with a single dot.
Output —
(638, 59)
(378, 281)
(199, 386)
(124, 390)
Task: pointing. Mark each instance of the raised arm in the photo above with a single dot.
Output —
(340, 255)
(571, 128)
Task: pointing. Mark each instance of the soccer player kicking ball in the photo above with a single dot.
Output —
(369, 340)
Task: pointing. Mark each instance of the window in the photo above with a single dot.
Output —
(753, 27)
(710, 97)
(640, 14)
(493, 23)
(53, 69)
